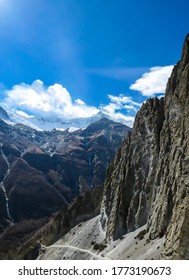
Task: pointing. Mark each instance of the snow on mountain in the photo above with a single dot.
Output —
(54, 121)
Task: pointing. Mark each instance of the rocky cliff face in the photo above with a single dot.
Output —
(170, 212)
(148, 182)
(127, 189)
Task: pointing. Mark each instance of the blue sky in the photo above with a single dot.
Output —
(95, 50)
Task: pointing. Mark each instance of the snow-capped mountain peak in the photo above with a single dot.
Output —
(51, 121)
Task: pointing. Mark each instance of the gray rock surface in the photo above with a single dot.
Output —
(127, 191)
(170, 213)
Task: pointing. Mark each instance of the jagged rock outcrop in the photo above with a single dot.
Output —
(148, 182)
(127, 189)
(170, 213)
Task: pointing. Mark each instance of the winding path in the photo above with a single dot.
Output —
(76, 249)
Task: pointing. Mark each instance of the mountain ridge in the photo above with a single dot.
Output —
(52, 121)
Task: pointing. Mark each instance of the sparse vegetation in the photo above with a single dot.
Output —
(122, 237)
(141, 234)
(99, 246)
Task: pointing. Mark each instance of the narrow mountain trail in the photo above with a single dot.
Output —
(76, 249)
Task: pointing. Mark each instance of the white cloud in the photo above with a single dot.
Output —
(122, 99)
(54, 100)
(118, 103)
(79, 102)
(36, 99)
(154, 81)
(121, 108)
(130, 107)
(110, 108)
(113, 110)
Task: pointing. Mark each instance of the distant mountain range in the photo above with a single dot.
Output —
(50, 122)
(42, 171)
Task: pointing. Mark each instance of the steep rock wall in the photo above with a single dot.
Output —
(127, 190)
(170, 213)
(148, 181)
